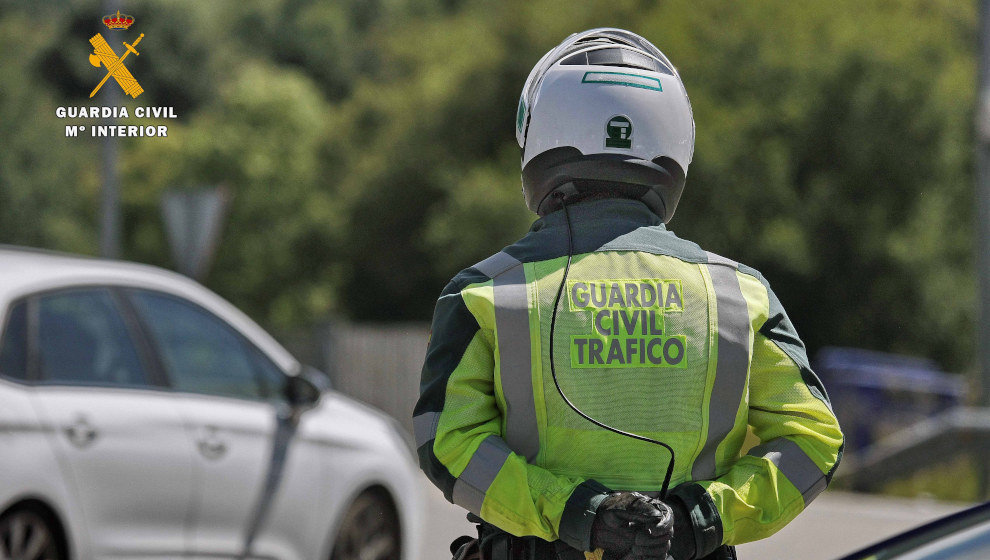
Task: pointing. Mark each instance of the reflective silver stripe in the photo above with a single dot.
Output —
(732, 361)
(471, 486)
(468, 497)
(496, 264)
(425, 427)
(514, 350)
(788, 456)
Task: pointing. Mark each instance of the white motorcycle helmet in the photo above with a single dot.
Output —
(605, 110)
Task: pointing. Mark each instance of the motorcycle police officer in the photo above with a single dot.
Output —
(601, 324)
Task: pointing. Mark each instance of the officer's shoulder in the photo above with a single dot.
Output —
(716, 259)
(482, 271)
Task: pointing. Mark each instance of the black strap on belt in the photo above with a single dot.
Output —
(724, 552)
(465, 548)
(495, 544)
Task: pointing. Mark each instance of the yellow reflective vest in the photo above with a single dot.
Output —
(653, 336)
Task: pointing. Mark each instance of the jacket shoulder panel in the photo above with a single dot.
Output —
(658, 241)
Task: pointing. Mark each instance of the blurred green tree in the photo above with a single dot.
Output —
(369, 147)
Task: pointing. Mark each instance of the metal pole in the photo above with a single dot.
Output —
(982, 229)
(110, 193)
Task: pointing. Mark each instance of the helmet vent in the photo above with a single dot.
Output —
(617, 57)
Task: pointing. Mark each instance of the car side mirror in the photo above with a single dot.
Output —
(316, 377)
(301, 392)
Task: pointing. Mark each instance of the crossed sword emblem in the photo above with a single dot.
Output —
(114, 65)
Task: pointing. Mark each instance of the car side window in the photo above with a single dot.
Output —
(271, 377)
(82, 339)
(13, 345)
(201, 352)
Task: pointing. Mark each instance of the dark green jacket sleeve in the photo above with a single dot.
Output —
(460, 446)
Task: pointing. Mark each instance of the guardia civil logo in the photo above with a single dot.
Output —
(618, 132)
(104, 55)
(111, 121)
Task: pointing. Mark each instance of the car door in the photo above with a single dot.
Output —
(228, 410)
(120, 438)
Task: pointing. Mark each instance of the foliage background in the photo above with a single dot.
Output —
(369, 147)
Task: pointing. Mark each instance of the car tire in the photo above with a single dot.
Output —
(30, 533)
(369, 529)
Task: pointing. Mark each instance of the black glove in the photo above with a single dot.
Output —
(631, 526)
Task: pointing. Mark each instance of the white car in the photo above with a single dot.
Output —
(141, 415)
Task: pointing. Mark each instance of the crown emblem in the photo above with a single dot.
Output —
(118, 20)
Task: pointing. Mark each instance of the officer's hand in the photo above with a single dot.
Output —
(631, 526)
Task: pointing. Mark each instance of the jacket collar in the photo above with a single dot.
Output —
(599, 213)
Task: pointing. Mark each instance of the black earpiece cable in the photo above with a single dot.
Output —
(553, 372)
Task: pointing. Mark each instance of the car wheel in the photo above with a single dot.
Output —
(28, 534)
(369, 530)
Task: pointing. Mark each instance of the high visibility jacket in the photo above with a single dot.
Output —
(653, 336)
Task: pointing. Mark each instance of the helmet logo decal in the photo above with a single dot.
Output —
(622, 79)
(618, 132)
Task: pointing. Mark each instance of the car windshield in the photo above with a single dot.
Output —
(970, 544)
(962, 536)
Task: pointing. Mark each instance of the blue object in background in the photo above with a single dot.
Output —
(875, 394)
